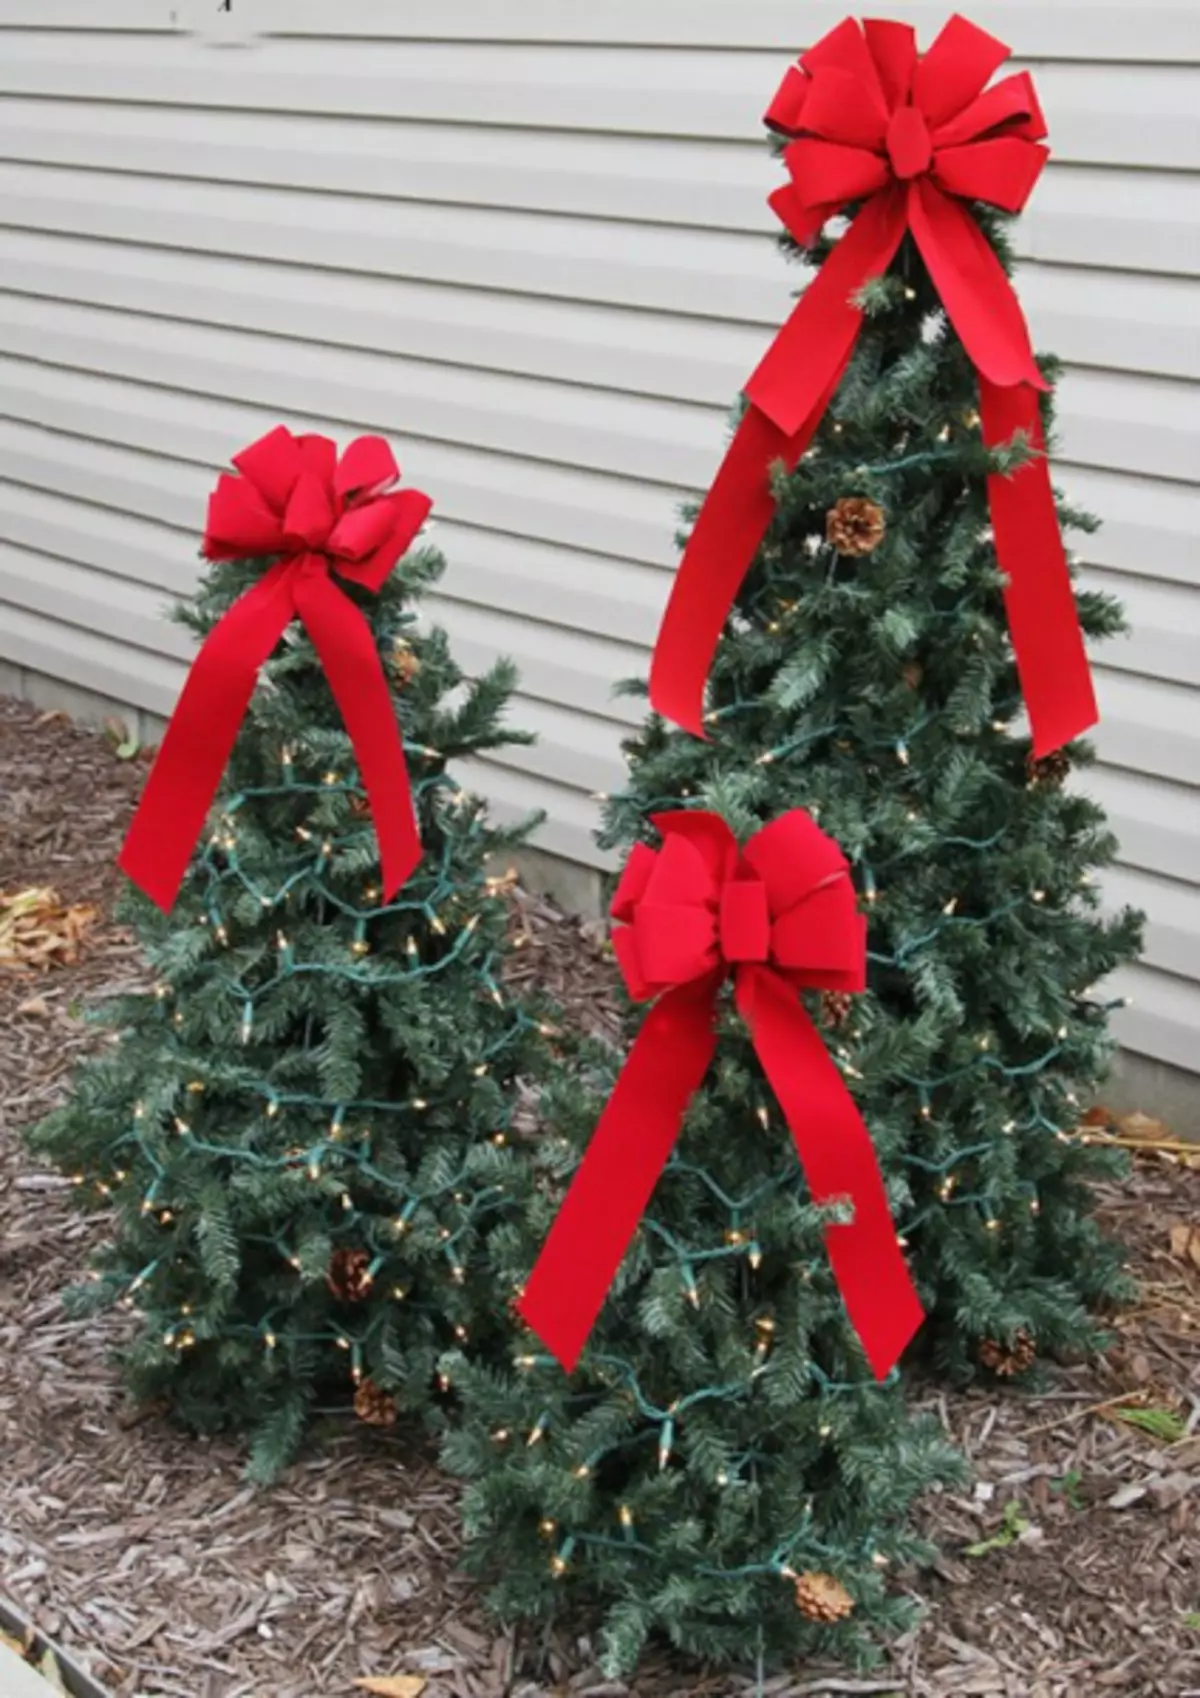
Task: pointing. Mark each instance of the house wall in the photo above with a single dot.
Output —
(528, 241)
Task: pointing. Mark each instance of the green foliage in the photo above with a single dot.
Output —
(722, 1433)
(319, 1073)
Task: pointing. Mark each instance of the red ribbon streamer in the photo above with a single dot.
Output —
(910, 138)
(320, 515)
(780, 915)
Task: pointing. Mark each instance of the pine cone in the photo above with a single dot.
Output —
(1008, 1360)
(374, 1406)
(822, 1598)
(404, 662)
(836, 1008)
(913, 674)
(348, 1277)
(855, 525)
(1051, 771)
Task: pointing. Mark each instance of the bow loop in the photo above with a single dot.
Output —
(272, 465)
(839, 108)
(241, 526)
(745, 921)
(367, 468)
(958, 66)
(308, 518)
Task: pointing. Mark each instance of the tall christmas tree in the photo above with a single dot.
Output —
(298, 1136)
(719, 1468)
(906, 599)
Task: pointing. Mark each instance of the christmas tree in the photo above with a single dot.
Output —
(867, 672)
(298, 1135)
(721, 1468)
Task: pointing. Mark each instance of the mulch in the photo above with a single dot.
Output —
(146, 1554)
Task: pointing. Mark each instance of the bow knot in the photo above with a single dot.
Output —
(909, 144)
(745, 921)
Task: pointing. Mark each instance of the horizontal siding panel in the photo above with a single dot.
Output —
(1164, 1017)
(713, 274)
(1164, 641)
(1091, 215)
(1130, 424)
(1128, 220)
(1106, 419)
(624, 435)
(1149, 727)
(1144, 117)
(126, 612)
(568, 342)
(555, 665)
(1125, 322)
(571, 815)
(89, 660)
(1172, 910)
(71, 430)
(488, 571)
(572, 749)
(1069, 29)
(1157, 824)
(1118, 320)
(1150, 527)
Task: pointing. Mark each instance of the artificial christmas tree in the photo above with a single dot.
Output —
(720, 1467)
(908, 596)
(299, 1134)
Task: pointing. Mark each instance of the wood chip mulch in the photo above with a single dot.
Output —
(146, 1554)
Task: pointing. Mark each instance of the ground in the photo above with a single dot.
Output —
(146, 1555)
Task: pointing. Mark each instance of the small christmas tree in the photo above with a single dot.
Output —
(720, 1468)
(867, 672)
(299, 1134)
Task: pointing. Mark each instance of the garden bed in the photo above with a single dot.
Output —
(147, 1555)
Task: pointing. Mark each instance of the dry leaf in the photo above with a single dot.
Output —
(1143, 1128)
(36, 930)
(34, 1005)
(52, 716)
(1185, 1242)
(1098, 1116)
(394, 1685)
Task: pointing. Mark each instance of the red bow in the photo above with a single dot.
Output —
(909, 138)
(779, 916)
(294, 499)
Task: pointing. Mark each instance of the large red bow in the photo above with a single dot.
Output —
(320, 515)
(780, 916)
(910, 138)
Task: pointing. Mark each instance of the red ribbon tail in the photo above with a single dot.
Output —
(728, 530)
(342, 638)
(200, 737)
(1043, 620)
(789, 394)
(839, 1162)
(617, 1176)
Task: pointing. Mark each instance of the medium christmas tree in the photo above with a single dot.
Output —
(720, 1469)
(867, 672)
(299, 1135)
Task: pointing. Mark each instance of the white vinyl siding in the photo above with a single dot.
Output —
(527, 240)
